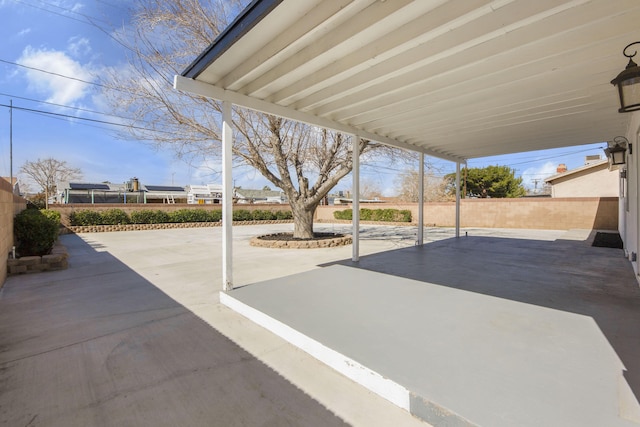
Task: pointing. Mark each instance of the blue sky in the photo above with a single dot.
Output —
(43, 40)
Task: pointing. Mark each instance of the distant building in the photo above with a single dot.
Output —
(133, 191)
(129, 192)
(594, 179)
(204, 194)
(244, 195)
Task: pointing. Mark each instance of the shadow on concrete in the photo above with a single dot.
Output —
(564, 275)
(97, 344)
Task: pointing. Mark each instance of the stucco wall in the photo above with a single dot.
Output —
(535, 213)
(10, 205)
(598, 181)
(629, 204)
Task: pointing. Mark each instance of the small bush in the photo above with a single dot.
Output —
(242, 215)
(282, 215)
(52, 215)
(215, 216)
(114, 217)
(149, 217)
(405, 215)
(35, 231)
(85, 217)
(367, 214)
(346, 214)
(260, 215)
(189, 215)
(383, 215)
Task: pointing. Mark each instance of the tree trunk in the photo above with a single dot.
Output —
(302, 220)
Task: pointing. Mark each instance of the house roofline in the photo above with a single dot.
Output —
(577, 170)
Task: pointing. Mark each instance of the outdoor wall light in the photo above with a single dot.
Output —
(617, 150)
(628, 83)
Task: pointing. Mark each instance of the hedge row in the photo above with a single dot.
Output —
(118, 216)
(35, 231)
(385, 215)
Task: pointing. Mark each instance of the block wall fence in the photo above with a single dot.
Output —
(10, 206)
(599, 213)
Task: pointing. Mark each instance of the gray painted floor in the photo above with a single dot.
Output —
(497, 331)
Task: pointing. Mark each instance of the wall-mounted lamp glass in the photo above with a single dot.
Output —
(628, 83)
(616, 152)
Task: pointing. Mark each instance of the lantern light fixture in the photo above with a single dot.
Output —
(616, 151)
(628, 83)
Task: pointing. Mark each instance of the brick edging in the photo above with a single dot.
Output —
(302, 244)
(56, 260)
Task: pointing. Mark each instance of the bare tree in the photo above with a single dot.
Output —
(46, 173)
(304, 161)
(369, 189)
(434, 186)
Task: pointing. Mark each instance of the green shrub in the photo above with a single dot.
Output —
(52, 215)
(284, 215)
(367, 214)
(214, 216)
(85, 217)
(242, 215)
(260, 215)
(189, 215)
(346, 214)
(114, 217)
(384, 215)
(149, 217)
(405, 215)
(35, 231)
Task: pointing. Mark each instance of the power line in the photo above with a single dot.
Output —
(32, 110)
(71, 11)
(56, 74)
(61, 105)
(88, 20)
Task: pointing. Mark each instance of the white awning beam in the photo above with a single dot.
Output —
(210, 91)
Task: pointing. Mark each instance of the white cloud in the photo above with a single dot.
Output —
(78, 46)
(57, 89)
(539, 173)
(22, 32)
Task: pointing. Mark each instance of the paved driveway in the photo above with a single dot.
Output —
(133, 334)
(99, 345)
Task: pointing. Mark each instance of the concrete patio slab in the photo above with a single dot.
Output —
(473, 331)
(97, 345)
(105, 304)
(114, 340)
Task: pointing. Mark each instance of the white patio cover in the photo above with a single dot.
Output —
(456, 79)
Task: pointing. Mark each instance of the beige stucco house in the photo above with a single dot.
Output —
(594, 179)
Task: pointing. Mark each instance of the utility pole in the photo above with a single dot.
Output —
(11, 144)
(535, 183)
